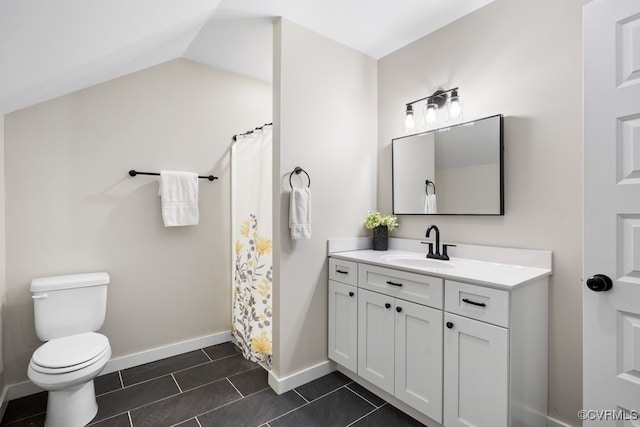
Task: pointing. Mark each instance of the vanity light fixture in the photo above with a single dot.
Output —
(454, 111)
(448, 99)
(409, 120)
(431, 114)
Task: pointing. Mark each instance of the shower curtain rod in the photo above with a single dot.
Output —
(249, 132)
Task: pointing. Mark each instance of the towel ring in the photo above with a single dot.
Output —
(427, 183)
(297, 171)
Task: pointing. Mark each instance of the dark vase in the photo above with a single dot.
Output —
(380, 238)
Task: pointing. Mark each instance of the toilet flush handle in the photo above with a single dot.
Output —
(40, 296)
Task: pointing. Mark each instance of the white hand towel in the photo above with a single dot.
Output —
(430, 205)
(179, 193)
(300, 213)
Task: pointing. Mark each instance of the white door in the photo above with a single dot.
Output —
(418, 357)
(476, 373)
(343, 324)
(376, 339)
(611, 318)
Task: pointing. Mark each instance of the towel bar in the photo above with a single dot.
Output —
(134, 172)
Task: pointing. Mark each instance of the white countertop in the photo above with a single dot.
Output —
(486, 273)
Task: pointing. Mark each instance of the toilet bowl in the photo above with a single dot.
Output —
(68, 311)
(66, 367)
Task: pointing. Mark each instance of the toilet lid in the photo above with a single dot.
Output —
(70, 351)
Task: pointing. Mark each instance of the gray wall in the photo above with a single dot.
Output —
(523, 59)
(325, 116)
(71, 207)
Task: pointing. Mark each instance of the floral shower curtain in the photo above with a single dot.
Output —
(252, 245)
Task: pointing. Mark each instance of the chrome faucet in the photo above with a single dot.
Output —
(444, 256)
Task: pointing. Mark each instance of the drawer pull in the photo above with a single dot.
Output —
(399, 309)
(387, 305)
(389, 282)
(341, 272)
(351, 294)
(450, 325)
(479, 304)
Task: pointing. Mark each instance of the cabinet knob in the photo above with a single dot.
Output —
(450, 325)
(387, 305)
(398, 309)
(351, 294)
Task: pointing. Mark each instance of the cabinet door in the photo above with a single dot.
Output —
(343, 324)
(375, 339)
(476, 369)
(418, 357)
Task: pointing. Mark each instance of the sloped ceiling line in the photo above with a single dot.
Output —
(50, 48)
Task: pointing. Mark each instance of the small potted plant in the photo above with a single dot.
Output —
(381, 225)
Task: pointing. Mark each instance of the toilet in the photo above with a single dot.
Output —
(68, 311)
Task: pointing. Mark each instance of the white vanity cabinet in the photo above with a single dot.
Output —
(418, 357)
(399, 341)
(376, 339)
(476, 370)
(495, 355)
(343, 313)
(461, 354)
(400, 350)
(476, 356)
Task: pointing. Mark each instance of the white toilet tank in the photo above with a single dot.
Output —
(69, 305)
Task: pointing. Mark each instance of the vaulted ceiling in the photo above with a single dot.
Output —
(52, 47)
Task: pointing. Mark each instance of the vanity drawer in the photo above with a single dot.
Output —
(412, 287)
(477, 302)
(343, 271)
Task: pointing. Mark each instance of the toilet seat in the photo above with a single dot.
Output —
(68, 354)
(55, 379)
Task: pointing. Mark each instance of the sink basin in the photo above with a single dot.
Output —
(416, 261)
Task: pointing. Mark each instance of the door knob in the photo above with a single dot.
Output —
(599, 283)
(398, 309)
(449, 325)
(387, 305)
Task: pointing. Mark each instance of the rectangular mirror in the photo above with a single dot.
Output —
(461, 164)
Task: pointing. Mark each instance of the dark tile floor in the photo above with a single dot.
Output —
(216, 386)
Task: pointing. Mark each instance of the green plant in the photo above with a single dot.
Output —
(376, 219)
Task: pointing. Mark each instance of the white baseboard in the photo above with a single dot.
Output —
(16, 391)
(131, 360)
(552, 422)
(283, 385)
